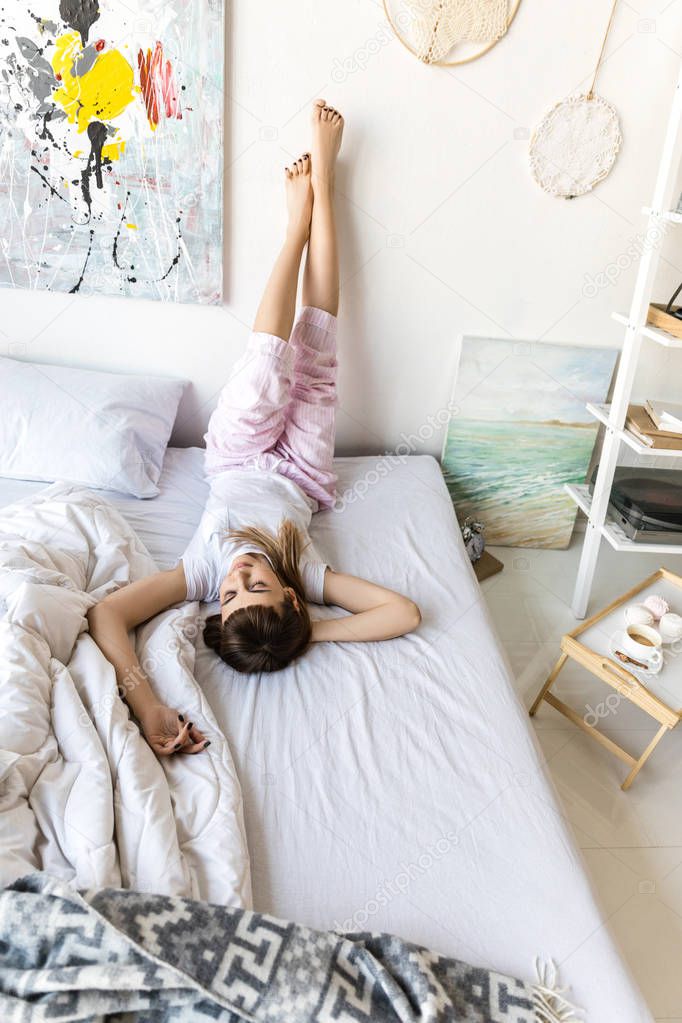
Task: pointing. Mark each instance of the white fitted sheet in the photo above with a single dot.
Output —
(360, 759)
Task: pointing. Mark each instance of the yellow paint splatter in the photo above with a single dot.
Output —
(102, 93)
(114, 150)
(133, 227)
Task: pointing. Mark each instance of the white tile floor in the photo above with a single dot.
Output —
(631, 841)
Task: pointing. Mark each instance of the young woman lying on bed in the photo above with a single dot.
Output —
(270, 445)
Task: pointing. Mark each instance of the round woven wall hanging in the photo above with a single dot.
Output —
(576, 143)
(433, 29)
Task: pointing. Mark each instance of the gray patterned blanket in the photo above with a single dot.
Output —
(124, 956)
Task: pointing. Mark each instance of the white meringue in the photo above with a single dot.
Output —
(670, 627)
(638, 614)
(657, 605)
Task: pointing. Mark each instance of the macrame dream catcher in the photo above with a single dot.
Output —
(431, 29)
(576, 144)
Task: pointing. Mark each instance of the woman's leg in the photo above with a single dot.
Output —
(277, 308)
(251, 411)
(321, 275)
(307, 441)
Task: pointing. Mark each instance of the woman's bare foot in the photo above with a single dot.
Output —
(327, 134)
(299, 197)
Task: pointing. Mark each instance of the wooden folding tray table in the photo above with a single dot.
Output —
(659, 696)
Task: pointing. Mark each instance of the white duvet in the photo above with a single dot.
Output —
(81, 793)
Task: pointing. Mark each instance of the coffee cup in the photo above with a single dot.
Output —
(644, 644)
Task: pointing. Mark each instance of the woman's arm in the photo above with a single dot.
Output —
(110, 622)
(378, 613)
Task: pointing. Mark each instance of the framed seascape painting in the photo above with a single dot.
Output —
(111, 147)
(518, 432)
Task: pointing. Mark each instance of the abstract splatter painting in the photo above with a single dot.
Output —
(111, 147)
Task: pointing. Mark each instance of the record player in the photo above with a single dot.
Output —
(647, 503)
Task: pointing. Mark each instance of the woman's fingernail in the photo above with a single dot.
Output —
(191, 724)
(180, 717)
(207, 744)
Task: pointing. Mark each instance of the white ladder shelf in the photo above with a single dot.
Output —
(595, 506)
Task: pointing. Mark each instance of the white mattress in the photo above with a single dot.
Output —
(398, 786)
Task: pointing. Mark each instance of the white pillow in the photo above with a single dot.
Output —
(102, 430)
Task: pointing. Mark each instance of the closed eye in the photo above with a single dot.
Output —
(256, 587)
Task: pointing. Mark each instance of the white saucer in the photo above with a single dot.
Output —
(616, 643)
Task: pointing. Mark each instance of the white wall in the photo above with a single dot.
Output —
(442, 229)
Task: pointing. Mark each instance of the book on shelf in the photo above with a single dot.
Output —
(666, 415)
(640, 423)
(664, 320)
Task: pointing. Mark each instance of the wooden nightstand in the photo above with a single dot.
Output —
(659, 696)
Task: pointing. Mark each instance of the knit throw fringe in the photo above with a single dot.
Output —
(549, 1000)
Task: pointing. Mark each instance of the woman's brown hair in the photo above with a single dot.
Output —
(259, 638)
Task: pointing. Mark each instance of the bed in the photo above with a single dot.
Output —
(398, 786)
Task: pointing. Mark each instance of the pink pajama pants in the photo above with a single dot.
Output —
(277, 410)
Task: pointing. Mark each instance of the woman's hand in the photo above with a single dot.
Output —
(167, 732)
(110, 623)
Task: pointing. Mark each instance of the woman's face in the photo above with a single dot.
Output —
(251, 580)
